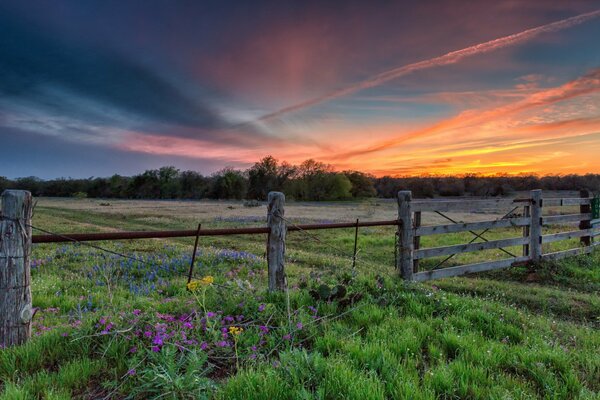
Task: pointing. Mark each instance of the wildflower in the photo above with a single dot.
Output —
(287, 336)
(210, 314)
(137, 312)
(131, 372)
(223, 343)
(188, 325)
(158, 340)
(261, 307)
(204, 346)
(206, 281)
(133, 349)
(236, 330)
(263, 330)
(299, 326)
(155, 349)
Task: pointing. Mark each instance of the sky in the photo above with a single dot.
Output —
(94, 88)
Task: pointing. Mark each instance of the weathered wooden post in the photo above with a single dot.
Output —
(405, 235)
(535, 230)
(276, 240)
(585, 224)
(15, 276)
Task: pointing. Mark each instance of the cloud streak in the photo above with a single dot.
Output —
(446, 59)
(584, 85)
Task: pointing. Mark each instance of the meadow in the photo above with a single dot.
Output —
(113, 327)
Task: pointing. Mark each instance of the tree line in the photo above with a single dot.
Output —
(311, 180)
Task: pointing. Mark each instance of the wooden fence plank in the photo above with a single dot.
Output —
(565, 218)
(469, 226)
(569, 253)
(461, 205)
(469, 247)
(549, 202)
(555, 237)
(467, 269)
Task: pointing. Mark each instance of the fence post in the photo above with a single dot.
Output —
(276, 240)
(535, 230)
(405, 235)
(585, 224)
(15, 276)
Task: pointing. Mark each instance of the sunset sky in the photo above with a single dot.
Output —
(92, 88)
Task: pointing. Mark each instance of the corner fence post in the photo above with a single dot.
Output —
(15, 275)
(276, 240)
(405, 235)
(585, 224)
(535, 230)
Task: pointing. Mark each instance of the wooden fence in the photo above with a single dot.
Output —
(16, 239)
(530, 219)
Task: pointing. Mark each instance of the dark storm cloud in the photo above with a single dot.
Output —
(33, 62)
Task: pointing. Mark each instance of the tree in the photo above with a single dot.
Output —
(362, 184)
(228, 184)
(263, 177)
(193, 185)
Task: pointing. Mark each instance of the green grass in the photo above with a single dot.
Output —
(518, 333)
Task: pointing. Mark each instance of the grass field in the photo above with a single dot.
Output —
(112, 327)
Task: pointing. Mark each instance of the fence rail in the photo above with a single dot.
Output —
(88, 237)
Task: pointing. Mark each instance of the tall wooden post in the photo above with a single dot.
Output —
(526, 230)
(585, 224)
(405, 235)
(276, 240)
(15, 275)
(535, 230)
(416, 239)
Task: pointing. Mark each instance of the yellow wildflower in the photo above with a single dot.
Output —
(235, 330)
(206, 281)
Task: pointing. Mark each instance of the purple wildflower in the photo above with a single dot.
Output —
(155, 349)
(299, 326)
(137, 312)
(287, 336)
(261, 307)
(131, 372)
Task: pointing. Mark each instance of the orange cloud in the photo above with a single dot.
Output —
(586, 84)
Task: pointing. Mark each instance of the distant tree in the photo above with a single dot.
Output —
(170, 185)
(362, 184)
(193, 185)
(5, 183)
(263, 177)
(228, 184)
(145, 185)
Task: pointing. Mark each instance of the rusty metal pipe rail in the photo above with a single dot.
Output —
(88, 237)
